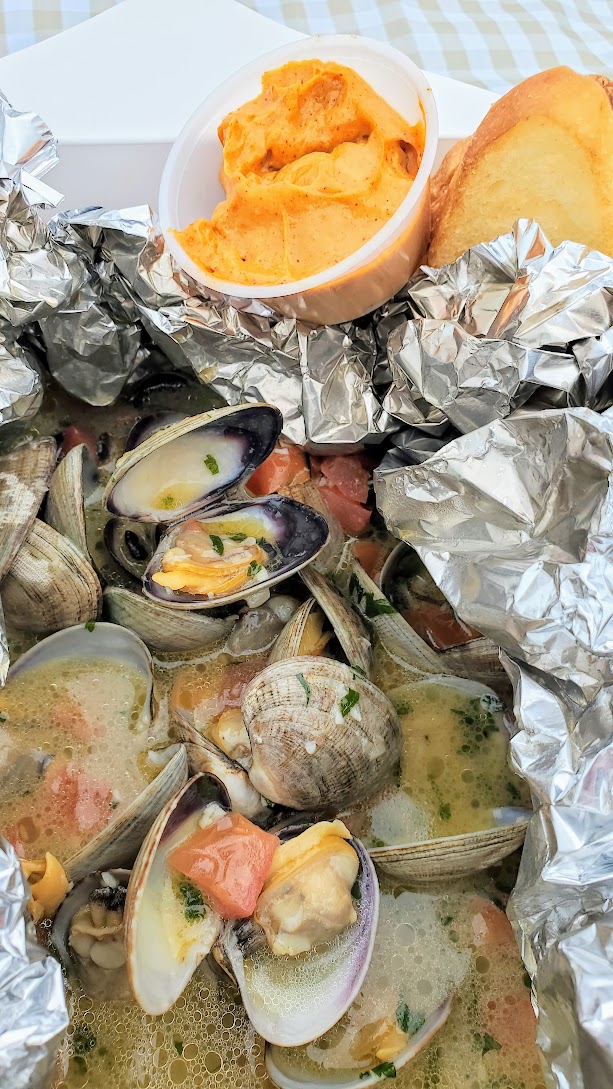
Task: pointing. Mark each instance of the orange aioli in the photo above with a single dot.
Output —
(312, 169)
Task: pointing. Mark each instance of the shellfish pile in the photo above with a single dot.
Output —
(247, 848)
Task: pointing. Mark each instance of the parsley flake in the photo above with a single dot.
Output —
(237, 536)
(408, 1021)
(211, 464)
(348, 701)
(217, 543)
(194, 908)
(178, 1046)
(253, 569)
(300, 677)
(91, 624)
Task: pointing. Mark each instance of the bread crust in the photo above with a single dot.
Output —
(548, 95)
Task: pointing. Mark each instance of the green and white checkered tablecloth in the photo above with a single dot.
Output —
(494, 43)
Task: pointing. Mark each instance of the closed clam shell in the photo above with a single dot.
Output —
(24, 478)
(50, 585)
(73, 480)
(161, 628)
(451, 857)
(321, 734)
(288, 642)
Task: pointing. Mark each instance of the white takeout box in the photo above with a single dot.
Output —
(117, 89)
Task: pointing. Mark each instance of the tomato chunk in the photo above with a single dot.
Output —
(229, 862)
(286, 465)
(347, 474)
(371, 555)
(354, 518)
(74, 436)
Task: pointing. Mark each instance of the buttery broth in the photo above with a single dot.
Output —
(74, 742)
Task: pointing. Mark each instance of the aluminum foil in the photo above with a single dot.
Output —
(515, 523)
(562, 906)
(33, 1014)
(504, 323)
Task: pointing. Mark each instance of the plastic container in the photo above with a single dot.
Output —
(190, 187)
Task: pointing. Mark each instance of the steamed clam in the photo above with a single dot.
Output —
(306, 634)
(216, 552)
(88, 934)
(300, 962)
(24, 478)
(321, 734)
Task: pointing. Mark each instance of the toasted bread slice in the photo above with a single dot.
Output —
(544, 151)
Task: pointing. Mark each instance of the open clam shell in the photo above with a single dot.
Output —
(162, 960)
(119, 842)
(96, 957)
(395, 635)
(286, 1075)
(74, 479)
(449, 857)
(321, 734)
(298, 534)
(294, 1002)
(188, 465)
(50, 585)
(162, 628)
(345, 622)
(454, 856)
(24, 478)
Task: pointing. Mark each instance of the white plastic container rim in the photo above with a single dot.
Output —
(348, 49)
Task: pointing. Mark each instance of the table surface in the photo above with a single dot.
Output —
(491, 43)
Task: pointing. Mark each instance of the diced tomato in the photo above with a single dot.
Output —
(76, 802)
(347, 474)
(286, 465)
(438, 624)
(228, 861)
(490, 925)
(74, 436)
(68, 715)
(511, 1020)
(353, 518)
(371, 555)
(236, 677)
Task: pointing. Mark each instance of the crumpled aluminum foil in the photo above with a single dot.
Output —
(515, 523)
(562, 906)
(33, 1014)
(508, 320)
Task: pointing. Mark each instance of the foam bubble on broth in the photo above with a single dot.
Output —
(87, 717)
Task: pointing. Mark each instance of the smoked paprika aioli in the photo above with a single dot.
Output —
(229, 862)
(312, 168)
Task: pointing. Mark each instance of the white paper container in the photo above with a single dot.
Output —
(116, 90)
(190, 187)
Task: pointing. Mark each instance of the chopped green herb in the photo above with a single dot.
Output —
(113, 804)
(168, 502)
(178, 1046)
(384, 1070)
(378, 842)
(91, 624)
(444, 811)
(348, 701)
(364, 1074)
(304, 684)
(237, 536)
(408, 1021)
(486, 1043)
(403, 708)
(267, 801)
(358, 669)
(83, 1040)
(253, 569)
(194, 908)
(211, 464)
(368, 604)
(262, 542)
(446, 920)
(513, 791)
(217, 543)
